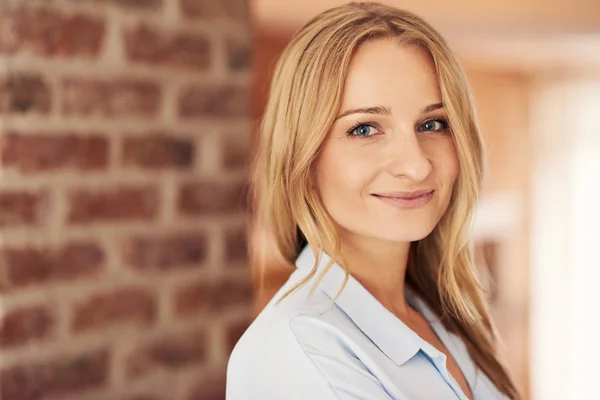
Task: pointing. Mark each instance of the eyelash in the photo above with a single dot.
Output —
(373, 125)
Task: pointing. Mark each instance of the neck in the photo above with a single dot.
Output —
(380, 267)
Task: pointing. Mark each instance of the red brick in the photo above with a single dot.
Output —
(236, 153)
(158, 151)
(143, 397)
(236, 247)
(234, 331)
(24, 266)
(110, 98)
(51, 33)
(7, 37)
(170, 352)
(60, 376)
(122, 306)
(22, 208)
(238, 54)
(129, 4)
(110, 204)
(164, 252)
(209, 386)
(212, 295)
(210, 9)
(214, 101)
(24, 93)
(32, 152)
(25, 325)
(212, 197)
(179, 50)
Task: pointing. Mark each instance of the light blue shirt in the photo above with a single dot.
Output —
(308, 349)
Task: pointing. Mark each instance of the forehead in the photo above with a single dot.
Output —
(386, 72)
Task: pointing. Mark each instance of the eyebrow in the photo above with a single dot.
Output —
(386, 111)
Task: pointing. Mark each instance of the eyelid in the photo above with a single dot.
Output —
(441, 117)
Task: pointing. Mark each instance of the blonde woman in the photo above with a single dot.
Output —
(368, 169)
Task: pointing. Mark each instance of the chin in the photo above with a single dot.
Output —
(407, 235)
(384, 231)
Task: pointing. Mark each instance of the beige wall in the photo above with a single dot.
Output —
(502, 101)
(549, 15)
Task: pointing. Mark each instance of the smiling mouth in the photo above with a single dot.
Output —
(407, 199)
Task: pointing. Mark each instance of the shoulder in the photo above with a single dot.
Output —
(301, 317)
(289, 328)
(289, 340)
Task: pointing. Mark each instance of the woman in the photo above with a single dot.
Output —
(368, 168)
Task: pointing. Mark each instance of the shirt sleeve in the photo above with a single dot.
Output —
(301, 358)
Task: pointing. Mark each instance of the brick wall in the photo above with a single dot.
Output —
(125, 129)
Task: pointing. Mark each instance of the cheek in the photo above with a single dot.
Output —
(445, 159)
(340, 173)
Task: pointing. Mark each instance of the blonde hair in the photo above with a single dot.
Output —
(305, 96)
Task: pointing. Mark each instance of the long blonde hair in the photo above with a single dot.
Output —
(304, 98)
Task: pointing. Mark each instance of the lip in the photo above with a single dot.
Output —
(414, 199)
(405, 195)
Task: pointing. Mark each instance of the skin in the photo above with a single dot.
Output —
(404, 145)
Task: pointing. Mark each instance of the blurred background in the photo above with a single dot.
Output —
(126, 127)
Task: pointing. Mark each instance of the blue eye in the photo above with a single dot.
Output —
(362, 130)
(434, 125)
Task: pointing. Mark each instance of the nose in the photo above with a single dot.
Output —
(406, 158)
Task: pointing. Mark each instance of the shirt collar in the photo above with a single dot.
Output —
(396, 340)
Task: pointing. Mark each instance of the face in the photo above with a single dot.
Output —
(388, 166)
